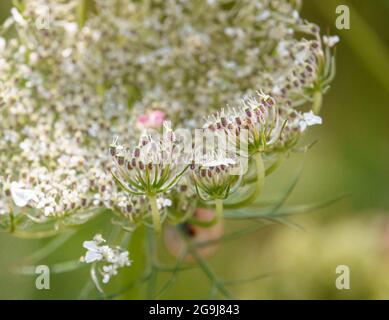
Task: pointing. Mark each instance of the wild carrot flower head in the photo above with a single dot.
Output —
(73, 75)
(150, 168)
(215, 177)
(72, 85)
(254, 125)
(294, 125)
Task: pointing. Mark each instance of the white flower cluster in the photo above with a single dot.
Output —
(65, 90)
(268, 124)
(112, 258)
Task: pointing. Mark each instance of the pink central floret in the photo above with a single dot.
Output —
(153, 119)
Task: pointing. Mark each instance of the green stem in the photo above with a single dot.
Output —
(152, 272)
(216, 218)
(317, 102)
(11, 222)
(260, 167)
(155, 213)
(81, 13)
(275, 165)
(218, 209)
(205, 268)
(259, 183)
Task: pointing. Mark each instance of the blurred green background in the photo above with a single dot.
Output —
(351, 156)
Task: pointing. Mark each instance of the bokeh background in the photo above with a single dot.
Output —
(351, 157)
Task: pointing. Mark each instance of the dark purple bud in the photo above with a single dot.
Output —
(120, 159)
(309, 68)
(141, 165)
(270, 102)
(258, 112)
(112, 150)
(83, 202)
(211, 127)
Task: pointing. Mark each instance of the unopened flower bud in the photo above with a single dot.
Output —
(112, 150)
(120, 159)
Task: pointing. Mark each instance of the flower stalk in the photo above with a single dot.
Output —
(216, 218)
(155, 213)
(260, 170)
(317, 102)
(259, 183)
(81, 13)
(218, 210)
(11, 222)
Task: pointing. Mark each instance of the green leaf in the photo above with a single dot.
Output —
(309, 207)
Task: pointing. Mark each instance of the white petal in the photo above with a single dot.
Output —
(92, 256)
(90, 245)
(48, 211)
(18, 17)
(106, 278)
(98, 238)
(219, 162)
(302, 125)
(21, 196)
(312, 119)
(331, 40)
(2, 44)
